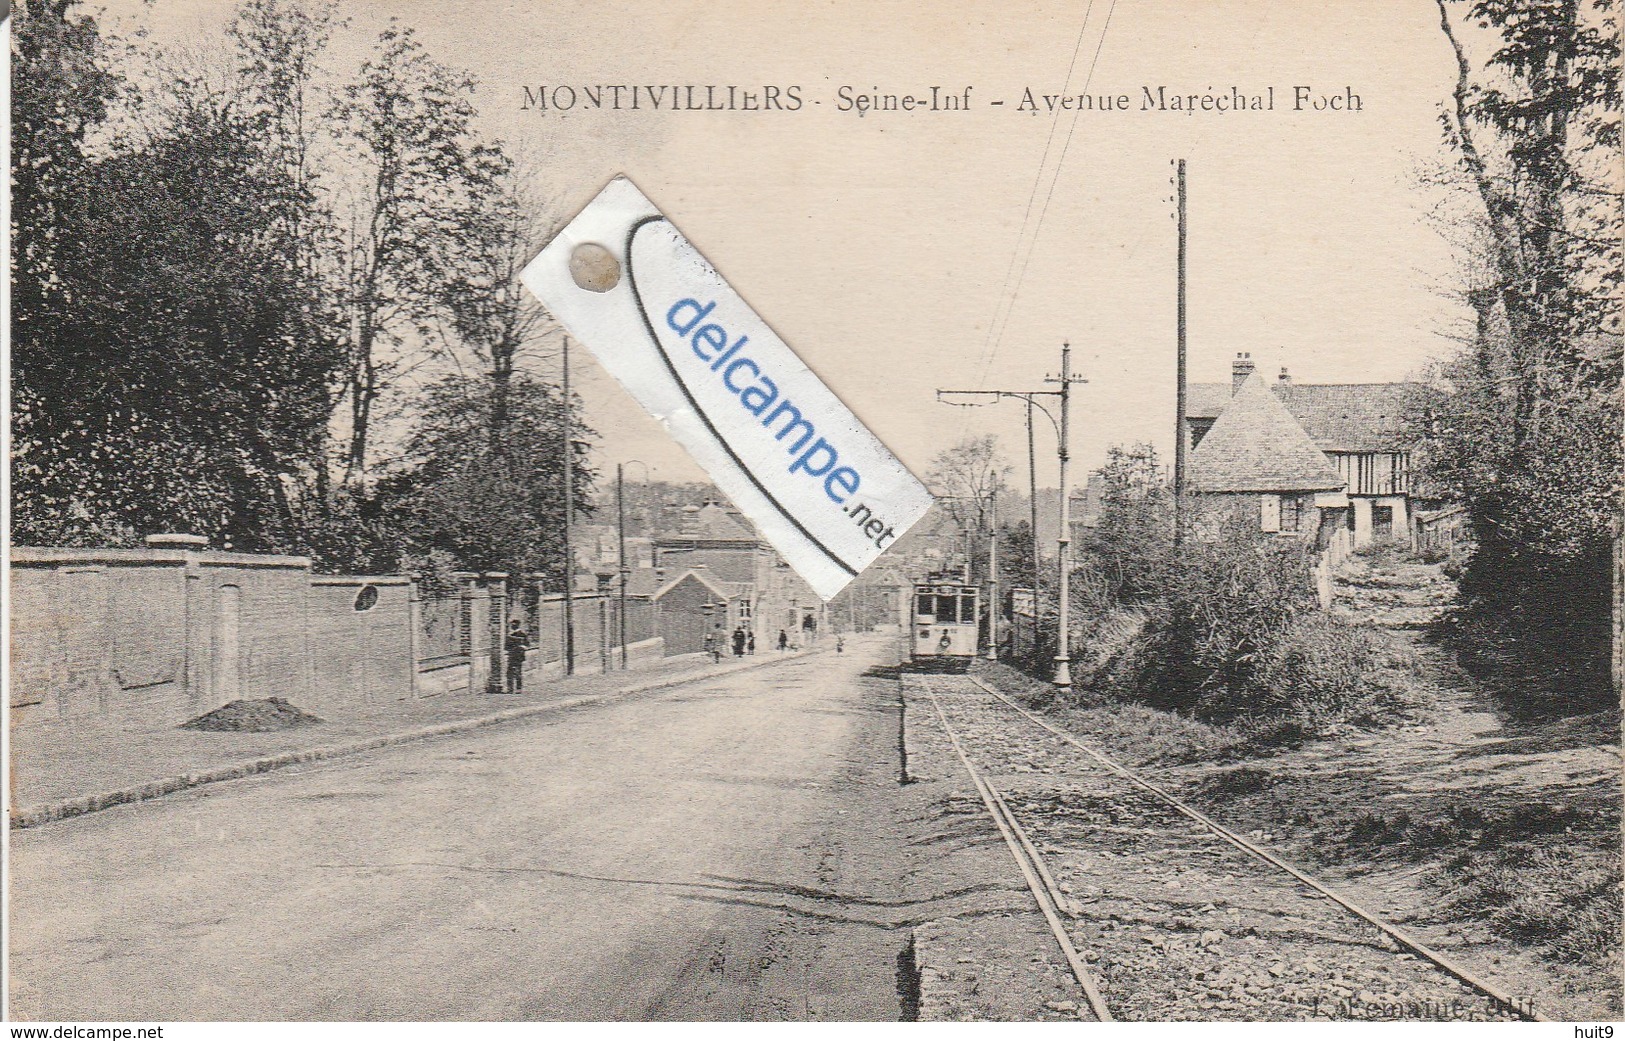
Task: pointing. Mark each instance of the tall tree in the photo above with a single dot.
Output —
(409, 132)
(189, 383)
(1132, 540)
(170, 369)
(61, 90)
(496, 322)
(1525, 428)
(965, 477)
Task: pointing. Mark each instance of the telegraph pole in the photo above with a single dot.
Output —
(569, 515)
(993, 575)
(1063, 648)
(620, 554)
(1032, 521)
(1179, 395)
(1063, 667)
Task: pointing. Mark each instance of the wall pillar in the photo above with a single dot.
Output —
(414, 615)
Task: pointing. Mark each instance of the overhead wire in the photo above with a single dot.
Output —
(1032, 195)
(997, 337)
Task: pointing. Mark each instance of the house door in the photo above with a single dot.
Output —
(227, 649)
(1382, 520)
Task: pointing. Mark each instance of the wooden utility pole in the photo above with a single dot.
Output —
(1063, 642)
(1179, 395)
(569, 569)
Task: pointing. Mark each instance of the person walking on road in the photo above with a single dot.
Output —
(711, 646)
(784, 640)
(739, 642)
(518, 644)
(750, 642)
(840, 645)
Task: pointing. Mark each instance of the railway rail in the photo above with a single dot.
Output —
(1077, 801)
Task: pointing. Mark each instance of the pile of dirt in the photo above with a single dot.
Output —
(257, 716)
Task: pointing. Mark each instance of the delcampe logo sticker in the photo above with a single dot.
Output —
(818, 485)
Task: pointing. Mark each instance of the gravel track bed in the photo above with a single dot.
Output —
(1176, 923)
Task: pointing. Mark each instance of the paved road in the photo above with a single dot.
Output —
(725, 850)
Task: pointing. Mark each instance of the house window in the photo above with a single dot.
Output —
(1291, 512)
(366, 599)
(1269, 513)
(744, 610)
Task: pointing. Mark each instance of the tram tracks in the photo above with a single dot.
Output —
(1183, 917)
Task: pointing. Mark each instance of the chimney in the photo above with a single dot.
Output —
(1240, 369)
(1284, 377)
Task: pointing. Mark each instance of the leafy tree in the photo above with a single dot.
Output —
(169, 368)
(409, 132)
(965, 477)
(496, 321)
(488, 509)
(1524, 426)
(61, 90)
(1129, 547)
(1016, 565)
(278, 47)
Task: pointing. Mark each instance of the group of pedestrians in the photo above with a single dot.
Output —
(743, 643)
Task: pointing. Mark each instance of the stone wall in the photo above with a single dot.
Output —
(176, 629)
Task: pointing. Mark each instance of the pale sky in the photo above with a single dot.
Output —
(884, 248)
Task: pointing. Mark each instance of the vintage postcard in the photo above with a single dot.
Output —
(1040, 511)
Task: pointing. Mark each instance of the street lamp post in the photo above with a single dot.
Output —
(1063, 648)
(620, 533)
(620, 554)
(1063, 659)
(993, 574)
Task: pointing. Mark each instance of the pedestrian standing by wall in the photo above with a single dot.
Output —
(739, 642)
(784, 640)
(750, 642)
(518, 644)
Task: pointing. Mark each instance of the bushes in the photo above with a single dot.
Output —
(1227, 602)
(1323, 671)
(1227, 627)
(1235, 634)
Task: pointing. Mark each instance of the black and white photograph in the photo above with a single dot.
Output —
(1049, 511)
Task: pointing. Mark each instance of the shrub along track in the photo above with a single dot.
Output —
(1176, 916)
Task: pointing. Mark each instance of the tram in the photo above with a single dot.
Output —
(947, 628)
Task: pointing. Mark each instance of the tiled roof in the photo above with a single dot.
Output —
(1339, 417)
(885, 576)
(1256, 446)
(1349, 417)
(699, 575)
(712, 522)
